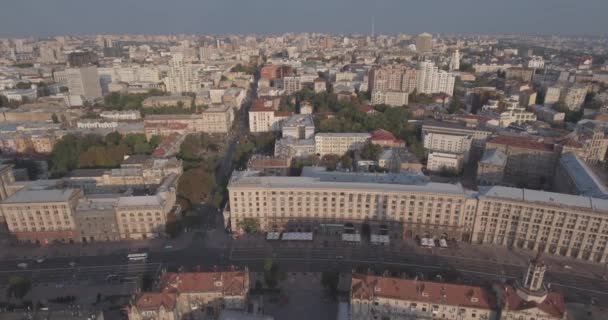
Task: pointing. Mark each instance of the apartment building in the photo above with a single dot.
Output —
(446, 138)
(439, 161)
(432, 80)
(339, 143)
(217, 119)
(574, 96)
(390, 98)
(179, 295)
(515, 115)
(41, 216)
(167, 101)
(298, 126)
(145, 217)
(373, 297)
(552, 95)
(441, 137)
(264, 118)
(567, 225)
(522, 74)
(292, 84)
(95, 220)
(84, 82)
(588, 140)
(530, 163)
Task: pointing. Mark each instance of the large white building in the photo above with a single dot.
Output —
(339, 143)
(432, 80)
(84, 81)
(390, 98)
(298, 126)
(182, 77)
(263, 117)
(555, 223)
(438, 161)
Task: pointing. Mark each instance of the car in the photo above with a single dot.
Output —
(72, 264)
(168, 246)
(339, 257)
(22, 265)
(40, 260)
(567, 267)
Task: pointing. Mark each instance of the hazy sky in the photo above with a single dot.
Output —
(53, 17)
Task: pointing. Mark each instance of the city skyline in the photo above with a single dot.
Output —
(348, 17)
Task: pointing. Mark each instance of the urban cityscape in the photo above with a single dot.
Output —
(303, 175)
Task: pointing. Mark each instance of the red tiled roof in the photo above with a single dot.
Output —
(229, 283)
(382, 134)
(153, 301)
(521, 142)
(366, 287)
(553, 304)
(367, 109)
(282, 113)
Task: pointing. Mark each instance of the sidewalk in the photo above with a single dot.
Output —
(23, 251)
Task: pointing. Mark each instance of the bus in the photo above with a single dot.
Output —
(142, 257)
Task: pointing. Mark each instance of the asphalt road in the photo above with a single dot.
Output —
(95, 269)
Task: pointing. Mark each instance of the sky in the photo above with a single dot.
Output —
(78, 17)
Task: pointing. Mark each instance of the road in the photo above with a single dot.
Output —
(295, 258)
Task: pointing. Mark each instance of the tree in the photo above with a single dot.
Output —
(18, 287)
(346, 162)
(23, 85)
(113, 138)
(195, 185)
(249, 225)
(272, 273)
(55, 118)
(456, 105)
(330, 281)
(172, 226)
(371, 151)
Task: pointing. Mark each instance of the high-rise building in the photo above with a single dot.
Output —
(84, 81)
(424, 43)
(455, 60)
(181, 77)
(432, 80)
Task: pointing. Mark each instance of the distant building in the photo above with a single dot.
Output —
(432, 80)
(79, 59)
(182, 76)
(339, 143)
(84, 81)
(386, 139)
(270, 166)
(390, 98)
(530, 162)
(439, 161)
(320, 85)
(217, 119)
(491, 168)
(291, 84)
(6, 179)
(264, 118)
(574, 176)
(547, 114)
(424, 43)
(536, 62)
(298, 126)
(523, 74)
(167, 101)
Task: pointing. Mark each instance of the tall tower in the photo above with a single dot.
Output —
(532, 287)
(455, 61)
(533, 279)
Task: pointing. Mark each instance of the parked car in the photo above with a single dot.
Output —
(22, 265)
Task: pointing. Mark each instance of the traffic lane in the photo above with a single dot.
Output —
(98, 274)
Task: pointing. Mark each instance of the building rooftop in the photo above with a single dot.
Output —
(521, 142)
(298, 120)
(544, 197)
(494, 157)
(586, 181)
(368, 287)
(346, 181)
(231, 283)
(343, 134)
(48, 195)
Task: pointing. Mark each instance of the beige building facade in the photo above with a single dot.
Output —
(339, 143)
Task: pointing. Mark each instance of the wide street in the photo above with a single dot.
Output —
(295, 257)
